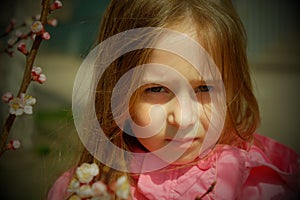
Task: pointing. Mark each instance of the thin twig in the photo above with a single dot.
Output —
(14, 28)
(210, 189)
(6, 50)
(30, 58)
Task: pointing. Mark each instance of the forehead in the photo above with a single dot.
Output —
(165, 64)
(181, 50)
(168, 66)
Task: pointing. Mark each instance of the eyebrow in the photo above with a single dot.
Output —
(204, 82)
(193, 82)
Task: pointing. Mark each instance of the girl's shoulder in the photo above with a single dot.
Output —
(283, 157)
(274, 169)
(267, 169)
(263, 152)
(59, 189)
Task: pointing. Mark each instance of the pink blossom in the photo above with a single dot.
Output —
(7, 96)
(36, 75)
(52, 22)
(46, 36)
(14, 144)
(56, 5)
(22, 48)
(37, 70)
(42, 78)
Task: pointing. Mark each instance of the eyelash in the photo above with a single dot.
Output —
(155, 89)
(204, 88)
(158, 89)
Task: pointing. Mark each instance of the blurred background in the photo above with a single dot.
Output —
(49, 139)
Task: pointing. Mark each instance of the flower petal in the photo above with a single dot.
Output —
(30, 101)
(28, 109)
(37, 27)
(99, 188)
(85, 191)
(19, 112)
(84, 173)
(42, 78)
(122, 187)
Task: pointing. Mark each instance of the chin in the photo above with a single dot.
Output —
(185, 159)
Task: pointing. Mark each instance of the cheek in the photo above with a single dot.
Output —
(145, 131)
(148, 115)
(148, 120)
(140, 114)
(205, 115)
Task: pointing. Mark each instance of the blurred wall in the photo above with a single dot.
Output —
(273, 30)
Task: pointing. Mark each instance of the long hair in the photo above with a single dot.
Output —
(221, 34)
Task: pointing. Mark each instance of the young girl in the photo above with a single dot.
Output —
(166, 99)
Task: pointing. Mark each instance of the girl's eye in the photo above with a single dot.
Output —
(204, 88)
(156, 89)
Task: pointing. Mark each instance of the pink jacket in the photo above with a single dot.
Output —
(231, 173)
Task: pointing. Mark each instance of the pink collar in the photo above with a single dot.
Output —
(229, 167)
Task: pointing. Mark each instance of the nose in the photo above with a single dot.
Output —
(182, 111)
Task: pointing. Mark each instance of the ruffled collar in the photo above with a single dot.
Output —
(226, 166)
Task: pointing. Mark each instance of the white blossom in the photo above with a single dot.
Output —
(122, 187)
(73, 185)
(37, 27)
(74, 197)
(99, 188)
(20, 105)
(86, 172)
(85, 191)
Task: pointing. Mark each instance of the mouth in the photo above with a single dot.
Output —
(184, 139)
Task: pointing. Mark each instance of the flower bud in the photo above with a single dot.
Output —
(6, 97)
(22, 48)
(46, 36)
(13, 144)
(52, 22)
(42, 78)
(36, 75)
(56, 5)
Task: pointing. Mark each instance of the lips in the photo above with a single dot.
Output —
(182, 139)
(188, 139)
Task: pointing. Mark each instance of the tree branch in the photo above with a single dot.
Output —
(30, 58)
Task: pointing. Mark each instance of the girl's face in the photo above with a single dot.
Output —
(173, 108)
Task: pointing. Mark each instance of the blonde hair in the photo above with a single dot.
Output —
(222, 35)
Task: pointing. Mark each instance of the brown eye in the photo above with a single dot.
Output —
(156, 89)
(203, 88)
